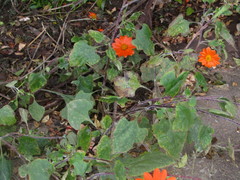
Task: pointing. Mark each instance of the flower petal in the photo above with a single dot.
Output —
(172, 178)
(163, 175)
(147, 176)
(156, 174)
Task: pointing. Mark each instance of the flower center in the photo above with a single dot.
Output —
(208, 58)
(124, 46)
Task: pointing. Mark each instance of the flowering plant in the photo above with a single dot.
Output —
(121, 101)
(209, 58)
(123, 46)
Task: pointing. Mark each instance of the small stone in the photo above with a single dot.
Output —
(234, 84)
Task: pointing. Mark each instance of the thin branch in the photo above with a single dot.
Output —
(67, 5)
(221, 117)
(119, 19)
(13, 148)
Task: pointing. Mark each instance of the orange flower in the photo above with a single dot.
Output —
(157, 175)
(187, 1)
(92, 15)
(100, 30)
(209, 57)
(123, 46)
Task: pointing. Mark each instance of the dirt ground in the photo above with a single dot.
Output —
(217, 164)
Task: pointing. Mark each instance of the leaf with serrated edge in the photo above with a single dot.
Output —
(80, 166)
(147, 162)
(178, 26)
(172, 84)
(104, 148)
(36, 81)
(143, 40)
(97, 36)
(82, 54)
(119, 170)
(185, 117)
(7, 116)
(76, 111)
(126, 134)
(37, 169)
(171, 141)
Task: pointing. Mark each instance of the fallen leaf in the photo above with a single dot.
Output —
(21, 46)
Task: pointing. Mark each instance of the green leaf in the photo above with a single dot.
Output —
(82, 54)
(84, 138)
(228, 107)
(77, 160)
(71, 112)
(147, 162)
(24, 100)
(171, 141)
(220, 11)
(37, 169)
(187, 63)
(119, 170)
(127, 85)
(185, 117)
(135, 59)
(96, 35)
(7, 129)
(84, 83)
(209, 1)
(36, 81)
(7, 116)
(172, 84)
(104, 149)
(106, 122)
(135, 16)
(101, 3)
(5, 169)
(112, 73)
(118, 64)
(71, 138)
(143, 40)
(201, 135)
(155, 67)
(111, 53)
(189, 11)
(126, 134)
(36, 111)
(111, 99)
(182, 162)
(201, 81)
(28, 146)
(237, 61)
(24, 114)
(178, 26)
(221, 30)
(219, 113)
